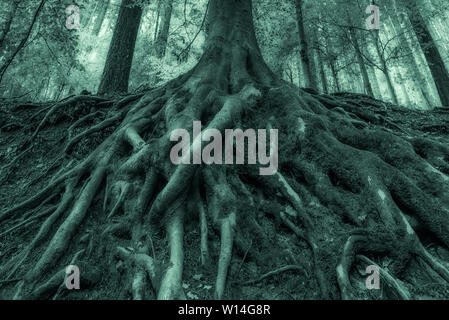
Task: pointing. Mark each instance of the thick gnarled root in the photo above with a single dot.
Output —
(227, 238)
(144, 267)
(171, 284)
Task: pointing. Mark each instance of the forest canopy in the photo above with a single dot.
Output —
(57, 61)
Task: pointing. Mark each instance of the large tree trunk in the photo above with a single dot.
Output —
(417, 77)
(101, 14)
(436, 64)
(344, 185)
(115, 78)
(306, 55)
(160, 45)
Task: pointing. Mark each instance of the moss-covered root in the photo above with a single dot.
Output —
(144, 265)
(171, 288)
(227, 239)
(391, 281)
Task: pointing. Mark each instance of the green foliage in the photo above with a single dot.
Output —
(57, 62)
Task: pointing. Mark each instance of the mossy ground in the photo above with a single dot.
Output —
(253, 256)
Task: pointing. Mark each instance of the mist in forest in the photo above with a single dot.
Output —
(332, 51)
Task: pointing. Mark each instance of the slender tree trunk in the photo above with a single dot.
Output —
(22, 43)
(374, 82)
(323, 74)
(317, 47)
(404, 91)
(299, 67)
(85, 19)
(60, 90)
(417, 77)
(8, 22)
(306, 55)
(121, 51)
(335, 76)
(361, 62)
(384, 68)
(436, 64)
(160, 44)
(47, 86)
(101, 14)
(158, 15)
(390, 85)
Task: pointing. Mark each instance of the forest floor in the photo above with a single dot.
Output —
(35, 169)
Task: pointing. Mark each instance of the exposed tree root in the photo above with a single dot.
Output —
(227, 225)
(104, 124)
(145, 266)
(204, 247)
(273, 273)
(90, 116)
(171, 288)
(390, 280)
(61, 105)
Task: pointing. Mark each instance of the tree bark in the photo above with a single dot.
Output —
(361, 62)
(306, 55)
(121, 51)
(160, 44)
(417, 77)
(436, 64)
(384, 68)
(317, 49)
(323, 75)
(231, 45)
(104, 5)
(335, 76)
(374, 82)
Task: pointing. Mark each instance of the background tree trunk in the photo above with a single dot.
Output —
(374, 82)
(361, 62)
(433, 56)
(160, 44)
(317, 49)
(121, 51)
(416, 76)
(101, 14)
(306, 55)
(323, 75)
